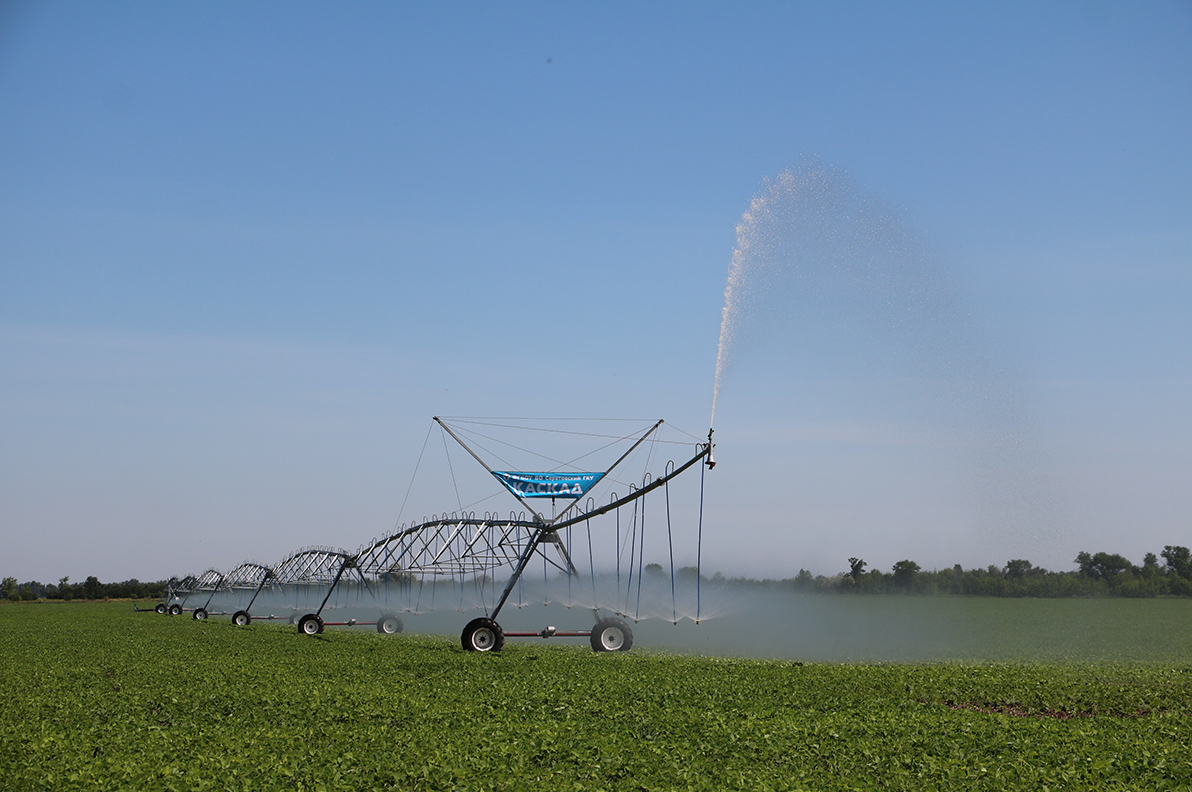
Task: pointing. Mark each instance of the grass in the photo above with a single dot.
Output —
(98, 697)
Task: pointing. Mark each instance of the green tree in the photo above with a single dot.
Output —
(856, 568)
(904, 573)
(1018, 568)
(31, 590)
(1150, 566)
(1102, 566)
(1177, 560)
(9, 588)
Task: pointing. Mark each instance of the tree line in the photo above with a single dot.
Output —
(1096, 575)
(89, 589)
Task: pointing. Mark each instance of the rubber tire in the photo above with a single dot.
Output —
(241, 618)
(310, 624)
(200, 614)
(611, 635)
(161, 607)
(175, 610)
(483, 635)
(389, 624)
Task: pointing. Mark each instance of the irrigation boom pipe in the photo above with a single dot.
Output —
(641, 440)
(706, 450)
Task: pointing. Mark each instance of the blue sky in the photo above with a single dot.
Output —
(247, 251)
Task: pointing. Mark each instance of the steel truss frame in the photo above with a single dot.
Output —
(462, 545)
(455, 545)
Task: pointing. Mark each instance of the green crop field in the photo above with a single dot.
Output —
(96, 696)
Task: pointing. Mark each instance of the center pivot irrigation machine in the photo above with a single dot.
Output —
(456, 557)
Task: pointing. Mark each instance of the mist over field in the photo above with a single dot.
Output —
(775, 621)
(811, 627)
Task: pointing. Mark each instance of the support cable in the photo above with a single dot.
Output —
(569, 566)
(418, 464)
(671, 543)
(632, 557)
(618, 544)
(451, 469)
(699, 544)
(461, 584)
(418, 602)
(592, 565)
(641, 560)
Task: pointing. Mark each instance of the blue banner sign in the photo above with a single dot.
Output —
(548, 485)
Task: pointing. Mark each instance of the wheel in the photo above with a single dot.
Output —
(294, 617)
(175, 610)
(161, 607)
(200, 614)
(483, 635)
(310, 624)
(240, 618)
(389, 624)
(611, 635)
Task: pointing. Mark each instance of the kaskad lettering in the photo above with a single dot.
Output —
(526, 484)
